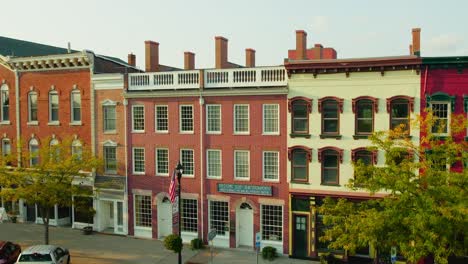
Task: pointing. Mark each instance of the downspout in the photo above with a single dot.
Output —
(125, 103)
(93, 109)
(18, 123)
(202, 134)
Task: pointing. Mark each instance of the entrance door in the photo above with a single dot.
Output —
(164, 218)
(300, 236)
(245, 220)
(118, 220)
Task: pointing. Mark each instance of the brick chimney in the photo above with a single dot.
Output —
(131, 59)
(221, 60)
(318, 51)
(151, 56)
(301, 45)
(249, 58)
(416, 41)
(189, 60)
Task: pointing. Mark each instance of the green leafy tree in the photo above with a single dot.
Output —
(55, 177)
(420, 200)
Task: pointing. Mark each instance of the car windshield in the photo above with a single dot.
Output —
(36, 257)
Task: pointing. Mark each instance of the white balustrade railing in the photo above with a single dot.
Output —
(214, 78)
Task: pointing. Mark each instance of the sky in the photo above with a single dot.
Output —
(355, 28)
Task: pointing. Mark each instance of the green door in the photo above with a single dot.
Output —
(300, 236)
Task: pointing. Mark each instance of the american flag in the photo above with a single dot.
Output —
(172, 188)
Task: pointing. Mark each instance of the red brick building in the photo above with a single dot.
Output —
(227, 128)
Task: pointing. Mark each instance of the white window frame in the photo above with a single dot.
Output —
(156, 162)
(134, 213)
(30, 121)
(235, 120)
(184, 174)
(183, 217)
(208, 131)
(208, 176)
(277, 132)
(104, 152)
(51, 94)
(133, 119)
(4, 140)
(133, 161)
(156, 119)
(72, 112)
(5, 88)
(108, 104)
(226, 232)
(76, 144)
(180, 120)
(449, 113)
(282, 223)
(235, 165)
(277, 167)
(30, 144)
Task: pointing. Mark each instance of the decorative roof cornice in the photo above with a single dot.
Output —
(51, 62)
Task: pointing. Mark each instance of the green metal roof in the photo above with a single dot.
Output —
(445, 60)
(21, 48)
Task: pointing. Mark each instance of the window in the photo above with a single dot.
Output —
(441, 112)
(213, 119)
(213, 163)
(76, 106)
(189, 215)
(53, 107)
(330, 107)
(6, 147)
(330, 158)
(363, 156)
(5, 103)
(186, 118)
(77, 148)
(162, 121)
(300, 107)
(110, 159)
(138, 160)
(162, 161)
(54, 150)
(219, 217)
(399, 108)
(271, 119)
(187, 161)
(143, 214)
(271, 165)
(300, 157)
(32, 107)
(138, 115)
(33, 152)
(241, 119)
(109, 118)
(398, 156)
(364, 108)
(241, 164)
(272, 222)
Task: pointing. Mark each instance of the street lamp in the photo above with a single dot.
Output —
(179, 170)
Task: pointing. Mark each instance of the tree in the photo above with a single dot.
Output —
(55, 175)
(422, 206)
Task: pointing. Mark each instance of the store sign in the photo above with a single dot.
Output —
(245, 189)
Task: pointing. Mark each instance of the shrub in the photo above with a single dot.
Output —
(196, 243)
(329, 259)
(173, 242)
(269, 253)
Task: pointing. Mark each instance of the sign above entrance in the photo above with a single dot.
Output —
(245, 189)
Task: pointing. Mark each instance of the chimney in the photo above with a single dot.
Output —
(131, 59)
(249, 58)
(151, 56)
(221, 52)
(189, 60)
(416, 41)
(318, 50)
(301, 45)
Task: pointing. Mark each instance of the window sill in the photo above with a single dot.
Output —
(32, 123)
(241, 134)
(5, 123)
(138, 173)
(186, 132)
(330, 136)
(300, 182)
(299, 135)
(242, 179)
(214, 178)
(270, 180)
(213, 133)
(331, 184)
(113, 132)
(76, 123)
(188, 176)
(162, 175)
(110, 172)
(54, 123)
(361, 136)
(138, 131)
(270, 134)
(161, 132)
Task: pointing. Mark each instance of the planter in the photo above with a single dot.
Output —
(87, 230)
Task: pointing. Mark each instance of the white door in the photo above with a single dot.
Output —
(164, 218)
(245, 220)
(118, 220)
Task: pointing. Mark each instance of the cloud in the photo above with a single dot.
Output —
(445, 44)
(320, 24)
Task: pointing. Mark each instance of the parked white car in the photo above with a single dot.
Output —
(44, 254)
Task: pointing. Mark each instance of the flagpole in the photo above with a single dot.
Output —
(179, 170)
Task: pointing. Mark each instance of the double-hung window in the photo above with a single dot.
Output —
(441, 112)
(241, 119)
(138, 118)
(365, 158)
(213, 119)
(400, 108)
(5, 103)
(189, 215)
(213, 163)
(143, 210)
(271, 165)
(271, 119)
(162, 118)
(186, 119)
(299, 157)
(138, 160)
(364, 108)
(110, 159)
(32, 107)
(53, 107)
(187, 159)
(77, 149)
(33, 152)
(300, 109)
(330, 108)
(75, 106)
(162, 161)
(241, 164)
(272, 222)
(219, 217)
(6, 147)
(330, 158)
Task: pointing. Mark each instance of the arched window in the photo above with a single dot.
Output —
(5, 103)
(75, 102)
(6, 147)
(330, 157)
(364, 108)
(77, 148)
(400, 108)
(53, 106)
(363, 156)
(330, 107)
(300, 108)
(300, 158)
(32, 107)
(33, 152)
